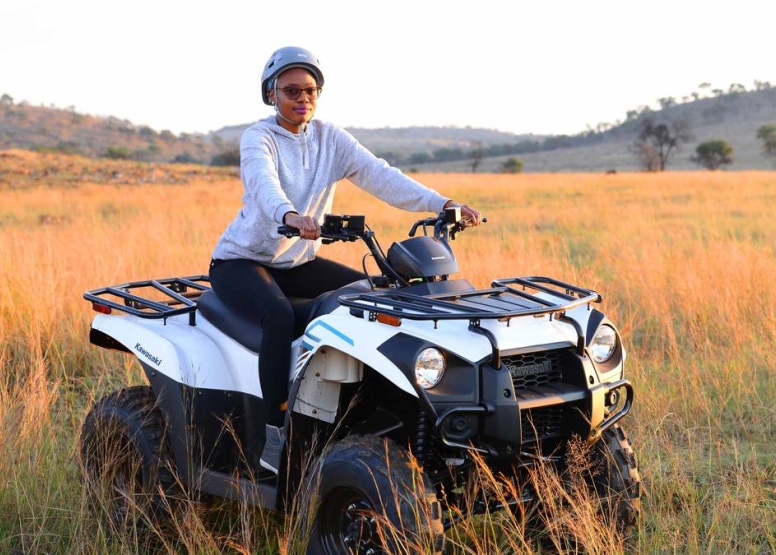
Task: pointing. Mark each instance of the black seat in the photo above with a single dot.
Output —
(246, 330)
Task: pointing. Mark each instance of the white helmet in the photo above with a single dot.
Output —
(287, 58)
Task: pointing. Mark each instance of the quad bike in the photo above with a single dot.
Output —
(400, 386)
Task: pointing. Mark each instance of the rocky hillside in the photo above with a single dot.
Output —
(62, 130)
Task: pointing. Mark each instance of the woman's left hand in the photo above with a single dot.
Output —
(471, 216)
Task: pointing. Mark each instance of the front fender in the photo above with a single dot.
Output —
(356, 338)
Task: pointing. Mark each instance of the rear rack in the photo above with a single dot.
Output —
(176, 296)
(502, 301)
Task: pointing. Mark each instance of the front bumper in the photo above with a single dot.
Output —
(539, 418)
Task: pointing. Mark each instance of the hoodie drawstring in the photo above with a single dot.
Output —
(305, 151)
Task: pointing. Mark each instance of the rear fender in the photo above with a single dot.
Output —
(172, 348)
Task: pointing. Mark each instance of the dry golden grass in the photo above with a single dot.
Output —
(686, 263)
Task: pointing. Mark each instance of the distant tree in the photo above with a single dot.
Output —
(767, 134)
(421, 157)
(638, 113)
(185, 158)
(117, 153)
(226, 158)
(167, 136)
(736, 88)
(666, 102)
(512, 165)
(713, 154)
(6, 100)
(476, 155)
(142, 154)
(146, 132)
(656, 142)
(761, 85)
(448, 154)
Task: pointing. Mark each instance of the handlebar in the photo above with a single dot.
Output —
(288, 231)
(446, 225)
(349, 228)
(335, 228)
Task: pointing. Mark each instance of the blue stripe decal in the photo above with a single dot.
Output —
(339, 334)
(306, 345)
(311, 336)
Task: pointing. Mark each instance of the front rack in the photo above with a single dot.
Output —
(174, 296)
(502, 301)
(507, 298)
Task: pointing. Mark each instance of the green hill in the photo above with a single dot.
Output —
(733, 117)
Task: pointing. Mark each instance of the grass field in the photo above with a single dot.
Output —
(686, 263)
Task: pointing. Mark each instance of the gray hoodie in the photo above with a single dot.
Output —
(283, 172)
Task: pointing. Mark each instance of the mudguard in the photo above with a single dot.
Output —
(173, 348)
(357, 340)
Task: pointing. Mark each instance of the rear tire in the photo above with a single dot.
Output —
(372, 499)
(125, 462)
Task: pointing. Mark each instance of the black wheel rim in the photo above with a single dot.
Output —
(347, 524)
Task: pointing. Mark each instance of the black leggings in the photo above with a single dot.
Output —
(248, 287)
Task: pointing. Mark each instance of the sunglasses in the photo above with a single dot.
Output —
(293, 93)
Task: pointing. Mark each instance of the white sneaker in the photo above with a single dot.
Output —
(273, 446)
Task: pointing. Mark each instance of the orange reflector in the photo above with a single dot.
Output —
(389, 320)
(101, 308)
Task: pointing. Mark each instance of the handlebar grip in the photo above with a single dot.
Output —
(288, 231)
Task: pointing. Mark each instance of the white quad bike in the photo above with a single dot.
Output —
(400, 386)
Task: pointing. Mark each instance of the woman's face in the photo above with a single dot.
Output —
(294, 114)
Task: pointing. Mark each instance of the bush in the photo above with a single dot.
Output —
(117, 153)
(185, 158)
(62, 147)
(226, 158)
(713, 154)
(512, 165)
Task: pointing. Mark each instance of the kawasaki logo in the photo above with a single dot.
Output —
(156, 360)
(530, 369)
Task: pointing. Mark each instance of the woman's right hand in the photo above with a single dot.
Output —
(308, 227)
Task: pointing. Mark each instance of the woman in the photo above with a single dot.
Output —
(290, 167)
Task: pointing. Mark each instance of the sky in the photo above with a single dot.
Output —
(543, 67)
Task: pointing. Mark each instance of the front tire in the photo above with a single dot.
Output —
(618, 482)
(373, 500)
(125, 460)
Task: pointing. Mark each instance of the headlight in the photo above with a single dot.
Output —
(603, 345)
(429, 367)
